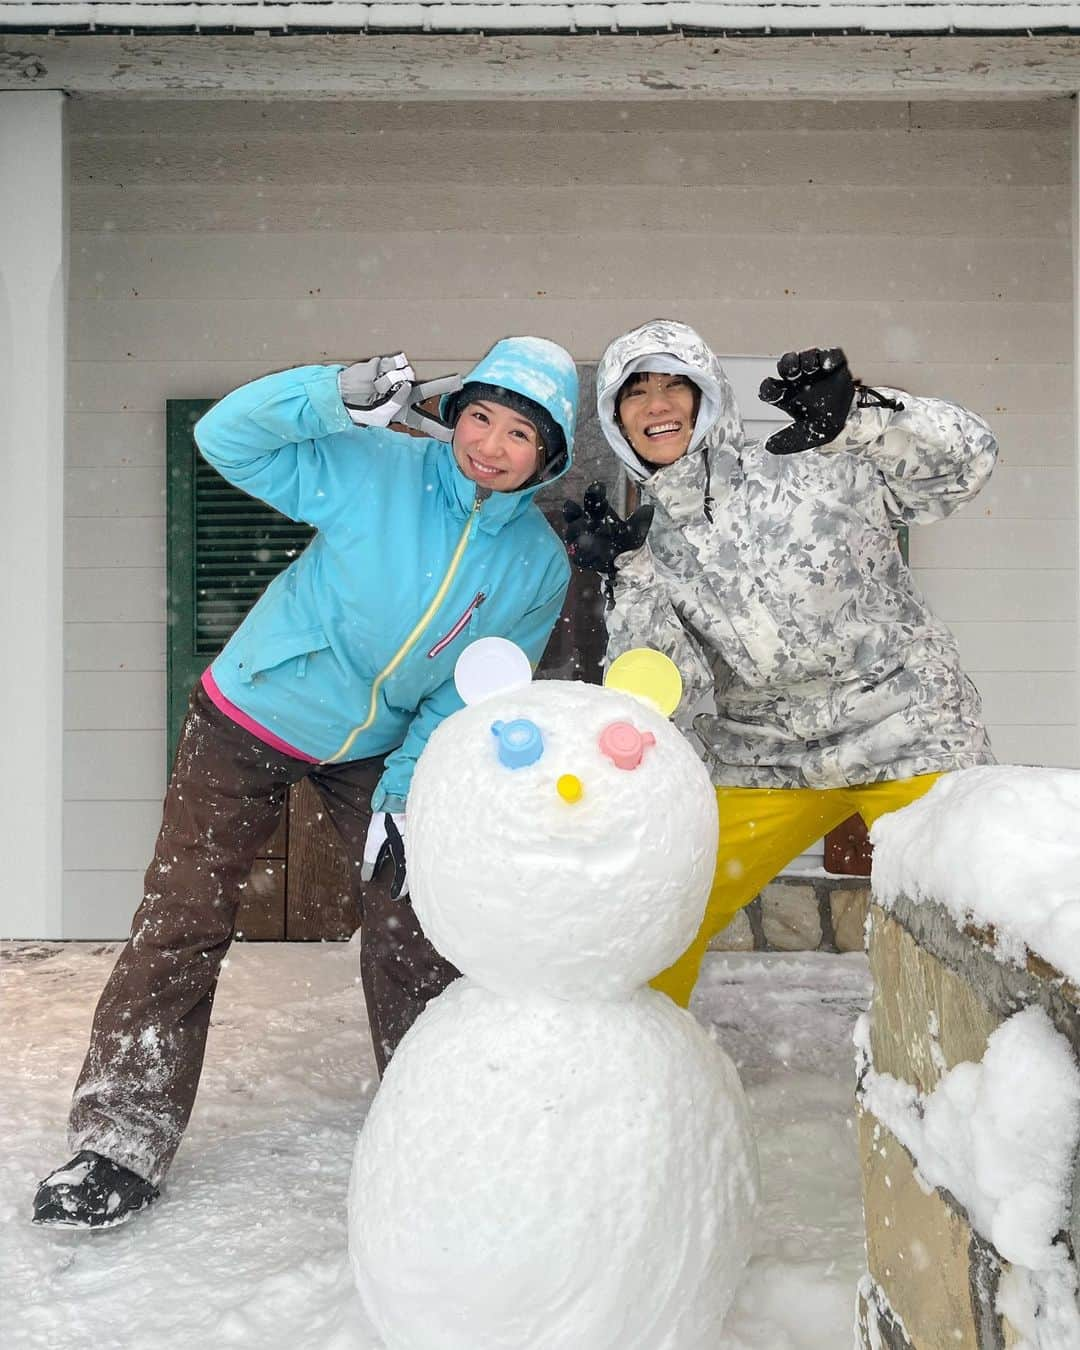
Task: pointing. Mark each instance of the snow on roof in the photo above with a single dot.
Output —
(786, 16)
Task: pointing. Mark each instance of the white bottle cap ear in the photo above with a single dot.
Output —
(489, 666)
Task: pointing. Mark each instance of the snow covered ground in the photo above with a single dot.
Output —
(247, 1246)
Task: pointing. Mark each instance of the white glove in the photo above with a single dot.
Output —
(386, 839)
(375, 392)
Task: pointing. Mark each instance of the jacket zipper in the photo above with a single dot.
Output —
(414, 636)
(474, 604)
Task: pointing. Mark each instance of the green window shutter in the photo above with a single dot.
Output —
(222, 549)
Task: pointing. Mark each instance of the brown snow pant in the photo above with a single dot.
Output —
(227, 790)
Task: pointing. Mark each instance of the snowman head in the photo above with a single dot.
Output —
(561, 837)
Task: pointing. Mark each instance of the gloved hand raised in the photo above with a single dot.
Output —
(375, 392)
(817, 389)
(596, 535)
(386, 841)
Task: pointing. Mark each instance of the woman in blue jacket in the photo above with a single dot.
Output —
(339, 674)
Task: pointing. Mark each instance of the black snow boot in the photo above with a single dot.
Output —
(91, 1192)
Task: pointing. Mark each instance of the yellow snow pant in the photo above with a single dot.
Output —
(761, 831)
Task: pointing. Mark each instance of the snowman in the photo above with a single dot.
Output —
(559, 1157)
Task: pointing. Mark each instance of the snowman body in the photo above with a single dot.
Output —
(558, 1158)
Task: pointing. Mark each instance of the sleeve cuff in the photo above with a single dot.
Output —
(325, 398)
(381, 800)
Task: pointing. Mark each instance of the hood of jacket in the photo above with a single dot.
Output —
(544, 372)
(674, 348)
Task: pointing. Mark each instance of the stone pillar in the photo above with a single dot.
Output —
(938, 996)
(33, 319)
(1076, 377)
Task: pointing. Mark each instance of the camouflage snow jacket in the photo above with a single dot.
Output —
(792, 606)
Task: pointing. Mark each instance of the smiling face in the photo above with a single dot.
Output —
(495, 447)
(656, 412)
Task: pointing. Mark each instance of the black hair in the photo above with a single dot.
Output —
(639, 376)
(552, 447)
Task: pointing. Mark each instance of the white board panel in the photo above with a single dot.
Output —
(112, 439)
(114, 646)
(1031, 595)
(124, 541)
(110, 836)
(440, 154)
(115, 491)
(977, 537)
(1029, 698)
(725, 265)
(115, 594)
(1057, 747)
(1028, 493)
(1016, 646)
(98, 906)
(255, 329)
(862, 210)
(96, 700)
(115, 765)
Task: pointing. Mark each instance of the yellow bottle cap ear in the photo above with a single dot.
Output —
(649, 675)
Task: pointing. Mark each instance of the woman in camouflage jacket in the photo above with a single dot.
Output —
(772, 576)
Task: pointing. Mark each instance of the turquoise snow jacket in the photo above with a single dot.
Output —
(350, 651)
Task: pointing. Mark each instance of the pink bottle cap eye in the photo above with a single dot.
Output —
(624, 745)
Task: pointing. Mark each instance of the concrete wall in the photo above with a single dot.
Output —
(215, 241)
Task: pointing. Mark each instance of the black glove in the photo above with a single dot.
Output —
(385, 844)
(817, 389)
(596, 535)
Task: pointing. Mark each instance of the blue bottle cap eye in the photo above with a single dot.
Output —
(520, 742)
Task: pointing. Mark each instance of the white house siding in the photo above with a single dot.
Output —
(215, 241)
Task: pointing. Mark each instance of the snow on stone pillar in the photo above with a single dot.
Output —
(968, 1073)
(33, 278)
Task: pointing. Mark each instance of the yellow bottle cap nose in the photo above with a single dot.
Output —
(569, 788)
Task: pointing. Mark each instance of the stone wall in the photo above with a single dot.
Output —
(938, 995)
(799, 914)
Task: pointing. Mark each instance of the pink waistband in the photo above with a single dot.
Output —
(237, 715)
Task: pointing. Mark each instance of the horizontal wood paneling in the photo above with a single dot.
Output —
(215, 242)
(1016, 645)
(1030, 698)
(1033, 439)
(936, 211)
(115, 491)
(114, 646)
(872, 332)
(141, 386)
(976, 540)
(288, 154)
(100, 904)
(110, 836)
(115, 765)
(246, 117)
(1032, 595)
(102, 700)
(105, 541)
(725, 265)
(1028, 493)
(116, 440)
(1058, 747)
(115, 594)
